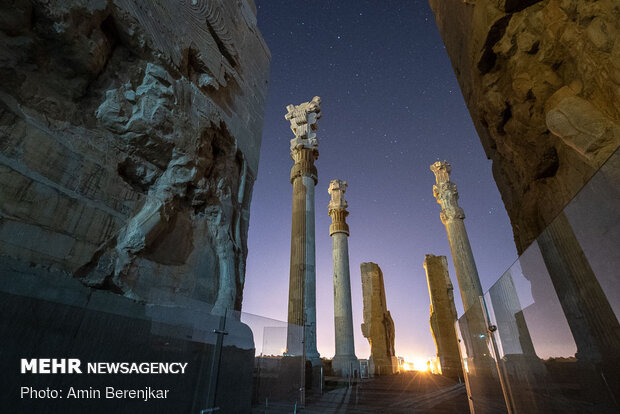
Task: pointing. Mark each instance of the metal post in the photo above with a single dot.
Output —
(500, 373)
(215, 364)
(470, 397)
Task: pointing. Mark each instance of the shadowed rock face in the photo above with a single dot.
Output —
(542, 83)
(129, 142)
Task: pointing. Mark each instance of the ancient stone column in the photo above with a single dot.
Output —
(378, 325)
(452, 217)
(344, 362)
(528, 377)
(302, 287)
(511, 325)
(443, 315)
(591, 318)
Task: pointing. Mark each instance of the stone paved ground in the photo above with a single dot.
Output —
(410, 392)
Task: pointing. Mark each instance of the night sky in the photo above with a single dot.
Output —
(391, 106)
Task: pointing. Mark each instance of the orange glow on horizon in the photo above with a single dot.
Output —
(418, 364)
(407, 366)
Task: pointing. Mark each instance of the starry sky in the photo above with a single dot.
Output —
(391, 106)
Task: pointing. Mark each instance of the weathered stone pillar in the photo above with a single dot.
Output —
(443, 315)
(452, 217)
(528, 378)
(378, 325)
(590, 317)
(302, 288)
(344, 362)
(511, 325)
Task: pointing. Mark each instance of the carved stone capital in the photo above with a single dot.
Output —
(337, 207)
(339, 223)
(337, 188)
(304, 163)
(442, 170)
(303, 118)
(446, 192)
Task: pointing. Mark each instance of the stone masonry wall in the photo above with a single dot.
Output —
(129, 143)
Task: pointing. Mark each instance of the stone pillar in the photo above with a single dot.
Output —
(528, 378)
(378, 325)
(302, 287)
(511, 325)
(591, 318)
(452, 217)
(345, 361)
(443, 315)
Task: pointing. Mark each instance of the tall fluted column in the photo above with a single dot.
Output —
(345, 361)
(302, 287)
(452, 217)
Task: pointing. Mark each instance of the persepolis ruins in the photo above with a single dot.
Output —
(378, 326)
(452, 216)
(302, 289)
(130, 139)
(443, 315)
(344, 361)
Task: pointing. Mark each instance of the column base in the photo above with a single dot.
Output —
(314, 357)
(383, 366)
(346, 365)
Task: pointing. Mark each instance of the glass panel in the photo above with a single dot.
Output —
(479, 365)
(182, 357)
(556, 309)
(277, 373)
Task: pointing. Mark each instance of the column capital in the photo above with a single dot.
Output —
(304, 164)
(303, 119)
(442, 170)
(446, 192)
(337, 207)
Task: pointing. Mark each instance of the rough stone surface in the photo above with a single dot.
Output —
(378, 326)
(129, 142)
(542, 83)
(443, 315)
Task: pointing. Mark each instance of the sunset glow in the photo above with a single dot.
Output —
(419, 364)
(416, 364)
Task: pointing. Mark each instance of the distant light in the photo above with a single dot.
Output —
(418, 364)
(407, 366)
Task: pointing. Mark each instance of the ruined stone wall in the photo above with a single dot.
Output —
(542, 83)
(129, 143)
(443, 315)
